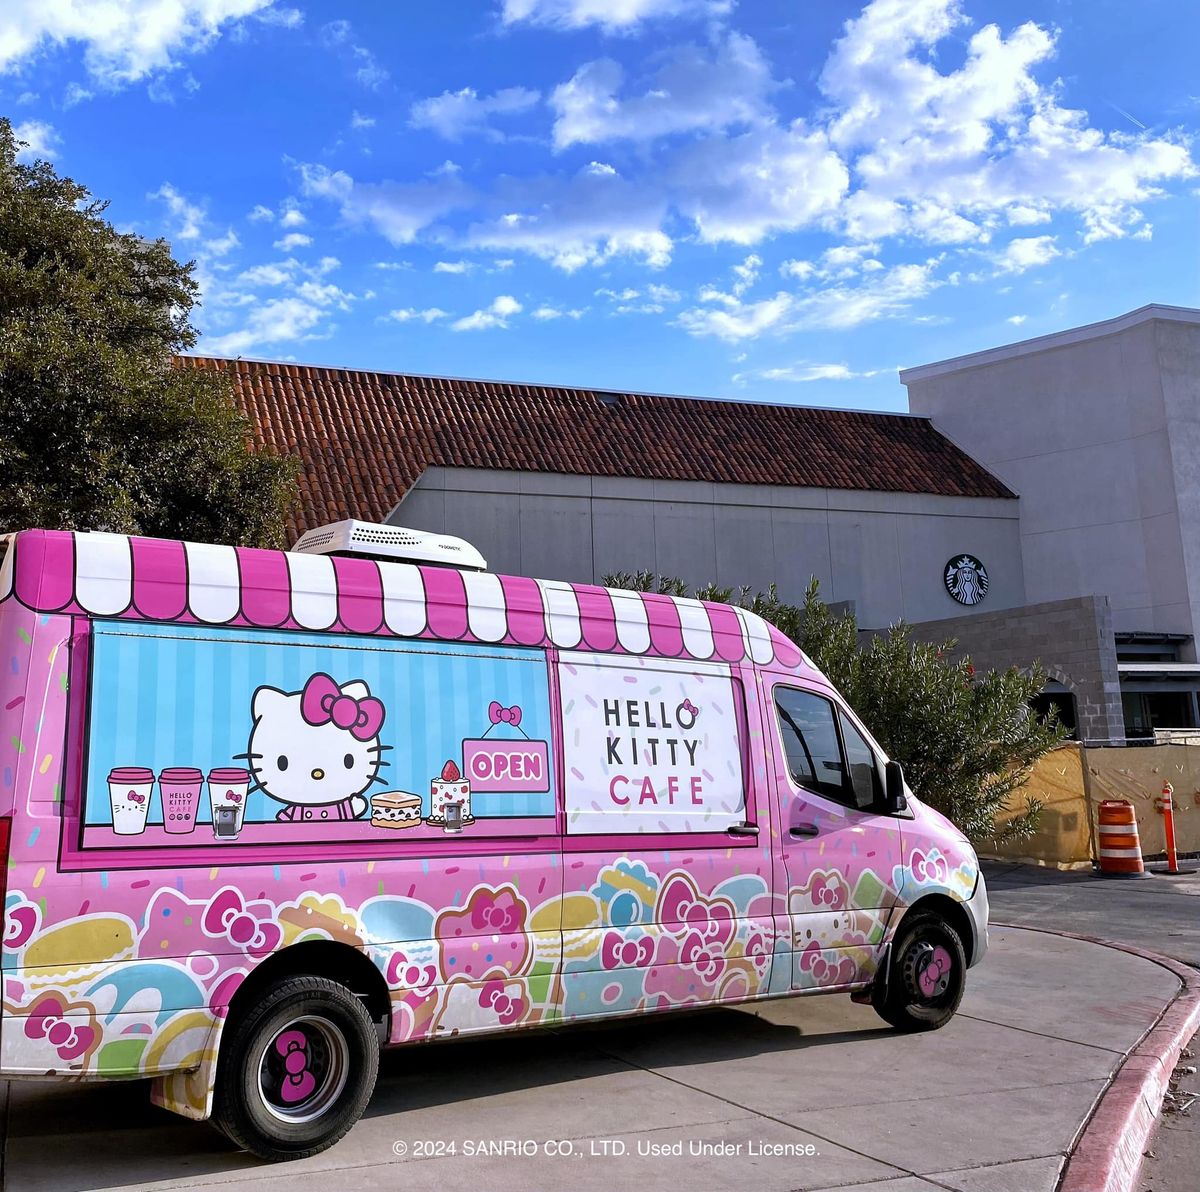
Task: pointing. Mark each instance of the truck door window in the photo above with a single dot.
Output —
(825, 752)
(864, 770)
(810, 737)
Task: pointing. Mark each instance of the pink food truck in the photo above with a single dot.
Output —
(263, 812)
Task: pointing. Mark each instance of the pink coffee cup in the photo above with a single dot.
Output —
(129, 788)
(228, 789)
(179, 787)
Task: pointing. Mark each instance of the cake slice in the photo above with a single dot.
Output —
(395, 809)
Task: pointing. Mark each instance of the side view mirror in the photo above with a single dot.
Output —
(893, 791)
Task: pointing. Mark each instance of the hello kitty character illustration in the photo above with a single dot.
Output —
(317, 750)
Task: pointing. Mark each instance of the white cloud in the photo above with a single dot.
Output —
(277, 321)
(546, 313)
(41, 140)
(223, 245)
(122, 42)
(292, 241)
(884, 294)
(339, 36)
(743, 188)
(1026, 253)
(261, 214)
(1016, 320)
(496, 315)
(397, 210)
(393, 266)
(945, 155)
(360, 121)
(273, 273)
(188, 214)
(283, 18)
(300, 313)
(691, 90)
(456, 114)
(612, 16)
(738, 320)
(747, 273)
(585, 219)
(291, 216)
(453, 266)
(407, 315)
(803, 373)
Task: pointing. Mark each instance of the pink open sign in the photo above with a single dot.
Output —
(510, 766)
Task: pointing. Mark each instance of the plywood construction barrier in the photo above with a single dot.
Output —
(1064, 837)
(1137, 773)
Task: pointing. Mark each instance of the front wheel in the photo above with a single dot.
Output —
(925, 977)
(296, 1069)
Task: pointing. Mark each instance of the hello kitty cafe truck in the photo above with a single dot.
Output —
(265, 811)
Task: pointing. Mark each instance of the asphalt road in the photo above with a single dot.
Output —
(1159, 912)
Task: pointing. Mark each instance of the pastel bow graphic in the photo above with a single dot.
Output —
(323, 701)
(299, 1083)
(134, 797)
(499, 714)
(688, 706)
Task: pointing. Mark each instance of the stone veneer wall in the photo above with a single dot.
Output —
(1073, 640)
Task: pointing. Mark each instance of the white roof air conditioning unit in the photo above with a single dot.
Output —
(390, 543)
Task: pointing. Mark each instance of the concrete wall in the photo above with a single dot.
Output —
(884, 551)
(1100, 436)
(1072, 639)
(1179, 375)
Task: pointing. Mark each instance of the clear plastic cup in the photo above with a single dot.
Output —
(228, 788)
(129, 788)
(179, 787)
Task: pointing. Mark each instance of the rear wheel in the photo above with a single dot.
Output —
(296, 1069)
(925, 978)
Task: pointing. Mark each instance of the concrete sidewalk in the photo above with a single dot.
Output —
(816, 1092)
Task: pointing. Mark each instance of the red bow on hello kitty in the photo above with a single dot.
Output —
(322, 701)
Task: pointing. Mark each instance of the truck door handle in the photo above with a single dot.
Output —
(804, 830)
(742, 829)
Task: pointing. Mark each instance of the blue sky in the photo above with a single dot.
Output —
(770, 200)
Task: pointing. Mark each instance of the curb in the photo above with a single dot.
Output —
(1107, 1153)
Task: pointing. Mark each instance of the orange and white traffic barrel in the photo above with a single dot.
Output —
(1120, 848)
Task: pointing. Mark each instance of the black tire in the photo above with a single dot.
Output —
(296, 1069)
(918, 992)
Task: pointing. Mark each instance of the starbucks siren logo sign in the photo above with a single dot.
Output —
(966, 579)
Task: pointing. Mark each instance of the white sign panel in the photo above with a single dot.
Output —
(649, 745)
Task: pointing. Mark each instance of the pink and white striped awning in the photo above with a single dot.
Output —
(150, 579)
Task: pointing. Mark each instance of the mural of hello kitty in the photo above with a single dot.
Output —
(317, 750)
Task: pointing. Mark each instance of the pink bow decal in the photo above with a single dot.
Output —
(322, 701)
(299, 1083)
(499, 714)
(134, 797)
(234, 796)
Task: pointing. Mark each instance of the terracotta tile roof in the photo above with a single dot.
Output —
(365, 437)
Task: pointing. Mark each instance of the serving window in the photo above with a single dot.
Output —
(650, 746)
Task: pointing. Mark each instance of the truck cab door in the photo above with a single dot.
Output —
(838, 852)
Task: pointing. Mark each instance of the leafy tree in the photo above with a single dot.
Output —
(967, 741)
(99, 426)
